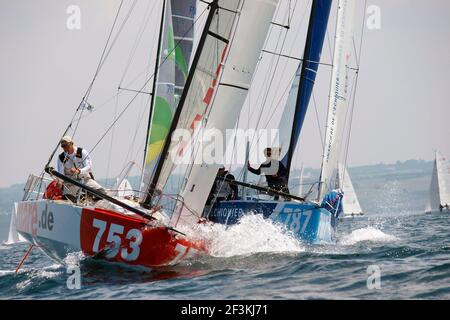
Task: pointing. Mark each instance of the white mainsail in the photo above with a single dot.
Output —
(350, 202)
(225, 94)
(339, 94)
(440, 184)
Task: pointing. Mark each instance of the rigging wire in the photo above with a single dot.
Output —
(271, 76)
(358, 62)
(111, 143)
(252, 140)
(287, 87)
(87, 91)
(318, 120)
(145, 83)
(104, 58)
(138, 39)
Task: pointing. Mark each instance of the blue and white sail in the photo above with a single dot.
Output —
(339, 94)
(297, 104)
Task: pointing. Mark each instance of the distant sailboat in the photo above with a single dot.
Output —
(350, 203)
(14, 236)
(439, 200)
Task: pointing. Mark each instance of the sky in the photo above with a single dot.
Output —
(401, 105)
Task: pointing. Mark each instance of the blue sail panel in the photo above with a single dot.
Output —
(317, 28)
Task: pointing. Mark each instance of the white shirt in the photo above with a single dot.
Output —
(84, 163)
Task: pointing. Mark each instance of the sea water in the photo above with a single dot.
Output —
(395, 251)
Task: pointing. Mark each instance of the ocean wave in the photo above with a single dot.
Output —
(5, 272)
(253, 234)
(366, 234)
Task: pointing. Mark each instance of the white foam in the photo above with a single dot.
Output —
(3, 272)
(366, 234)
(253, 234)
(74, 258)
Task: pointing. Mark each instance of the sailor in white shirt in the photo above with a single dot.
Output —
(76, 163)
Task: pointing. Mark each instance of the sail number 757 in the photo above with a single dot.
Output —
(114, 240)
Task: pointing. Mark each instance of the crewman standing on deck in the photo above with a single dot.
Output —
(275, 172)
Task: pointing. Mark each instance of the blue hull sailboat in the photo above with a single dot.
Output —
(306, 221)
(312, 220)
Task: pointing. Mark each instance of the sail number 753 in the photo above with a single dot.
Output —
(114, 240)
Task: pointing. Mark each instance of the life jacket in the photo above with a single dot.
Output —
(78, 154)
(53, 192)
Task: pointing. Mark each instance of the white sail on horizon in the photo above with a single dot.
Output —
(14, 236)
(440, 184)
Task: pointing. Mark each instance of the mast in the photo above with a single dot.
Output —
(320, 11)
(155, 79)
(213, 6)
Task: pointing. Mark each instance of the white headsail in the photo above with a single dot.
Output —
(242, 38)
(339, 94)
(350, 203)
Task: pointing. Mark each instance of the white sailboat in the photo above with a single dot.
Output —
(350, 202)
(439, 200)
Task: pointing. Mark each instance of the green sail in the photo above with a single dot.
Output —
(175, 52)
